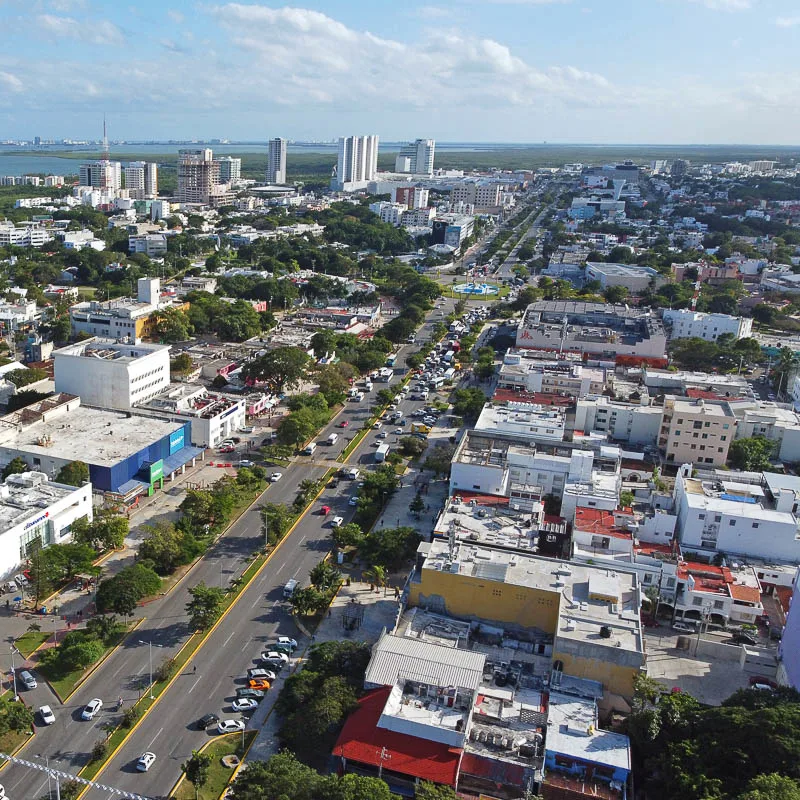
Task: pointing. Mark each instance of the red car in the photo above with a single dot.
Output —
(344, 423)
(228, 449)
(325, 510)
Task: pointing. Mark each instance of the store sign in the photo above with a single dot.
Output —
(176, 441)
(37, 520)
(156, 471)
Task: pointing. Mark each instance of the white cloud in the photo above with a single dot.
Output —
(95, 31)
(10, 82)
(787, 22)
(725, 5)
(176, 16)
(433, 12)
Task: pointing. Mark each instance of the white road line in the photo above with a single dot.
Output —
(193, 685)
(296, 572)
(160, 731)
(230, 635)
(255, 602)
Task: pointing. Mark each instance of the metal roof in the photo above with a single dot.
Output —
(395, 657)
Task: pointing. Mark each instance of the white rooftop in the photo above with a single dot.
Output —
(27, 494)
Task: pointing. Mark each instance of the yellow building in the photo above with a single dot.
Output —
(592, 614)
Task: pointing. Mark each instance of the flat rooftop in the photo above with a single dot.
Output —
(26, 495)
(482, 450)
(738, 502)
(101, 438)
(522, 420)
(109, 350)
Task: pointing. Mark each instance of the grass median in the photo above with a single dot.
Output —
(218, 774)
(31, 641)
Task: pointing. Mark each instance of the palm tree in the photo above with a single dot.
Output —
(376, 575)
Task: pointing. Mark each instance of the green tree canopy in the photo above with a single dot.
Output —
(14, 467)
(751, 455)
(280, 369)
(76, 473)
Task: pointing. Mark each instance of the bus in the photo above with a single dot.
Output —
(390, 361)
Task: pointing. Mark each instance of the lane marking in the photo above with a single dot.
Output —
(191, 688)
(160, 731)
(229, 637)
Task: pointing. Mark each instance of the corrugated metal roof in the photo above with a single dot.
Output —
(401, 657)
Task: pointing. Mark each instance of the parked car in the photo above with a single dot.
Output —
(684, 627)
(255, 694)
(275, 657)
(259, 684)
(206, 721)
(337, 521)
(244, 704)
(743, 637)
(353, 501)
(756, 680)
(259, 672)
(275, 477)
(246, 462)
(230, 726)
(146, 760)
(286, 641)
(91, 708)
(27, 679)
(47, 715)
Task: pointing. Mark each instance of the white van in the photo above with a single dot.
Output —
(288, 590)
(27, 679)
(333, 438)
(360, 397)
(309, 451)
(368, 385)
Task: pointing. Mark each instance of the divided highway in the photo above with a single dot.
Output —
(260, 614)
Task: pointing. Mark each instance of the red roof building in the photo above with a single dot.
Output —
(364, 743)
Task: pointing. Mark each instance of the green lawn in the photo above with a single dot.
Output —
(11, 740)
(218, 775)
(29, 641)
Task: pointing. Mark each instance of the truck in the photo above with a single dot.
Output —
(419, 427)
(288, 589)
(449, 374)
(381, 453)
(310, 448)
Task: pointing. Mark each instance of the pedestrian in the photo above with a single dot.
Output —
(194, 669)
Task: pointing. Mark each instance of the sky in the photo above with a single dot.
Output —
(561, 71)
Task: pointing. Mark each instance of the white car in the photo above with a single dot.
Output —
(287, 641)
(245, 704)
(47, 715)
(376, 425)
(92, 707)
(275, 477)
(146, 760)
(398, 431)
(275, 655)
(246, 462)
(3, 795)
(230, 726)
(383, 434)
(682, 626)
(337, 521)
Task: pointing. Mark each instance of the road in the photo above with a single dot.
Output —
(506, 269)
(259, 614)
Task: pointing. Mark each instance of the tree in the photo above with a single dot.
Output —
(309, 600)
(205, 606)
(468, 403)
(615, 294)
(332, 383)
(771, 786)
(277, 518)
(355, 787)
(417, 505)
(626, 499)
(434, 791)
(107, 531)
(324, 576)
(296, 428)
(412, 446)
(283, 777)
(439, 459)
(162, 546)
(14, 716)
(25, 376)
(76, 473)
(280, 369)
(196, 770)
(14, 467)
(376, 575)
(181, 364)
(121, 593)
(751, 455)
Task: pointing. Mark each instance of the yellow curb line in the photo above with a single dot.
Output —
(96, 666)
(18, 749)
(211, 630)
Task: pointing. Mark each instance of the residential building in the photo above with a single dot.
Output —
(14, 316)
(595, 328)
(23, 236)
(757, 520)
(103, 174)
(357, 163)
(230, 169)
(789, 646)
(520, 372)
(36, 512)
(587, 207)
(634, 278)
(778, 423)
(77, 240)
(214, 417)
(696, 431)
(684, 323)
(590, 615)
(198, 177)
(416, 157)
(276, 161)
(477, 193)
(694, 384)
(198, 283)
(452, 229)
(679, 168)
(412, 197)
(141, 180)
(391, 213)
(418, 217)
(708, 273)
(153, 245)
(108, 374)
(523, 422)
(632, 423)
(127, 455)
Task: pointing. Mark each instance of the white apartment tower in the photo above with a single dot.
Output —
(141, 180)
(416, 157)
(276, 161)
(230, 169)
(198, 173)
(101, 175)
(358, 162)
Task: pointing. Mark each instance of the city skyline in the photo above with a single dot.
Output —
(546, 70)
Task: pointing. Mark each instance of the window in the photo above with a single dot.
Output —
(723, 438)
(475, 486)
(708, 424)
(755, 525)
(717, 518)
(725, 427)
(704, 436)
(732, 522)
(647, 578)
(697, 601)
(698, 424)
(497, 592)
(701, 516)
(677, 433)
(719, 604)
(719, 449)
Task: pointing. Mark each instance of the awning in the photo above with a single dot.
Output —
(183, 456)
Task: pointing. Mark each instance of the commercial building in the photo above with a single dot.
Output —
(521, 372)
(589, 616)
(523, 422)
(357, 163)
(418, 217)
(587, 207)
(684, 323)
(214, 417)
(108, 374)
(592, 328)
(276, 161)
(477, 193)
(696, 431)
(631, 277)
(14, 316)
(125, 317)
(757, 520)
(637, 424)
(199, 178)
(36, 512)
(230, 169)
(412, 197)
(141, 180)
(452, 229)
(104, 175)
(127, 455)
(416, 157)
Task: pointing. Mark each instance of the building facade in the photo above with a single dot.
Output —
(696, 431)
(357, 162)
(683, 323)
(198, 174)
(104, 175)
(416, 157)
(276, 161)
(230, 169)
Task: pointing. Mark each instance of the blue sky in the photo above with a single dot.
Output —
(665, 71)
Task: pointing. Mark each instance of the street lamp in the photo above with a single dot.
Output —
(14, 671)
(150, 653)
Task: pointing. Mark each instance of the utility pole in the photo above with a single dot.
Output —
(266, 531)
